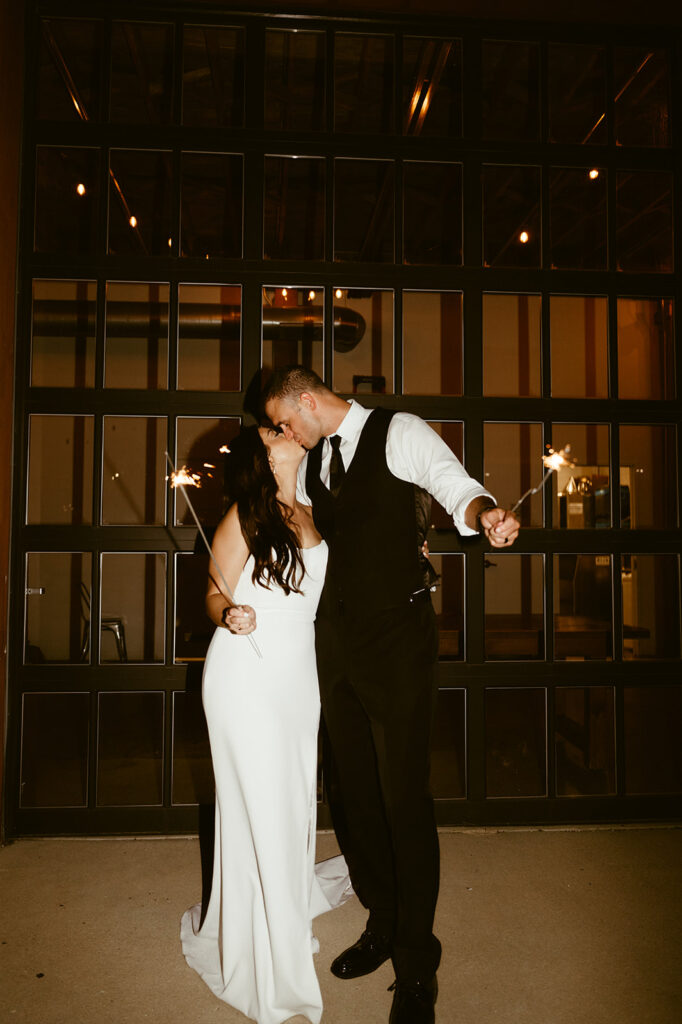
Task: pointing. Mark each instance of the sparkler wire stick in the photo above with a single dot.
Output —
(552, 462)
(228, 590)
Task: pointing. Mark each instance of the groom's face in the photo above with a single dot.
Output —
(297, 418)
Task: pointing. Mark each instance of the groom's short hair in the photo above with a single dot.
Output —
(291, 381)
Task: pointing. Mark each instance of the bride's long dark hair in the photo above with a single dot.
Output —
(264, 519)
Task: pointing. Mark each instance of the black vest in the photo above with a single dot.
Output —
(370, 526)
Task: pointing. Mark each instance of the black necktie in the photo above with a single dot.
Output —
(337, 470)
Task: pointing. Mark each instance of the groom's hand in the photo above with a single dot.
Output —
(500, 526)
(239, 619)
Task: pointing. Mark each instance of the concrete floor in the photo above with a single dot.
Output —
(538, 927)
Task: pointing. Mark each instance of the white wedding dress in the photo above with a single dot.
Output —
(255, 947)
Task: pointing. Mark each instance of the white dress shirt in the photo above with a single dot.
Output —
(414, 453)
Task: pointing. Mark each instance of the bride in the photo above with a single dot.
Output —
(254, 947)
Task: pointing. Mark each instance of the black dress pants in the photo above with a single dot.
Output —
(377, 684)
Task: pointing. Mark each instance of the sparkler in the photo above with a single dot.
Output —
(183, 479)
(552, 461)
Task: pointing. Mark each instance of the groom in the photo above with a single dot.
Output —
(377, 645)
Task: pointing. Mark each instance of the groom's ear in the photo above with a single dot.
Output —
(307, 398)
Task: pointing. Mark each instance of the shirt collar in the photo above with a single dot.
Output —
(352, 423)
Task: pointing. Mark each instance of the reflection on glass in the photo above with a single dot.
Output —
(141, 72)
(641, 81)
(516, 742)
(644, 221)
(69, 69)
(432, 343)
(192, 769)
(60, 469)
(452, 432)
(134, 597)
(577, 217)
(512, 331)
(67, 199)
(130, 749)
(582, 608)
(577, 93)
(651, 606)
(448, 604)
(209, 337)
(578, 327)
(646, 367)
(294, 80)
(585, 740)
(213, 76)
(648, 460)
(199, 441)
(653, 753)
(513, 464)
(54, 750)
(134, 470)
(511, 216)
(514, 608)
(63, 334)
(448, 746)
(510, 90)
(363, 210)
(211, 205)
(582, 497)
(193, 628)
(293, 327)
(432, 87)
(363, 83)
(432, 213)
(365, 365)
(136, 344)
(140, 187)
(57, 607)
(293, 209)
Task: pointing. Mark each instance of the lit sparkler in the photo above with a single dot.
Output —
(552, 461)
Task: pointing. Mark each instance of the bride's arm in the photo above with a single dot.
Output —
(231, 552)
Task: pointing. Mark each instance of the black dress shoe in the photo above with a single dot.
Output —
(413, 1002)
(368, 953)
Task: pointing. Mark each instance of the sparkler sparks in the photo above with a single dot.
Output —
(551, 461)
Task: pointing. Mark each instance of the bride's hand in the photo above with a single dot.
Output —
(239, 619)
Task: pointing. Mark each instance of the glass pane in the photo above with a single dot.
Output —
(213, 76)
(651, 606)
(577, 218)
(582, 608)
(448, 746)
(130, 749)
(514, 607)
(136, 343)
(192, 768)
(140, 198)
(511, 216)
(578, 327)
(582, 497)
(513, 465)
(193, 628)
(432, 213)
(363, 210)
(363, 83)
(69, 71)
(212, 205)
(432, 343)
(54, 750)
(585, 740)
(293, 327)
(577, 93)
(511, 90)
(63, 334)
(133, 607)
(293, 208)
(366, 366)
(294, 80)
(641, 82)
(653, 752)
(60, 469)
(448, 604)
(57, 607)
(199, 441)
(646, 362)
(141, 72)
(644, 221)
(134, 470)
(453, 434)
(432, 87)
(516, 742)
(648, 461)
(512, 353)
(67, 199)
(209, 337)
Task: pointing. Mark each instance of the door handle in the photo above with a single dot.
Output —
(34, 591)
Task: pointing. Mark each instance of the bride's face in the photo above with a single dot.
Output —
(281, 450)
